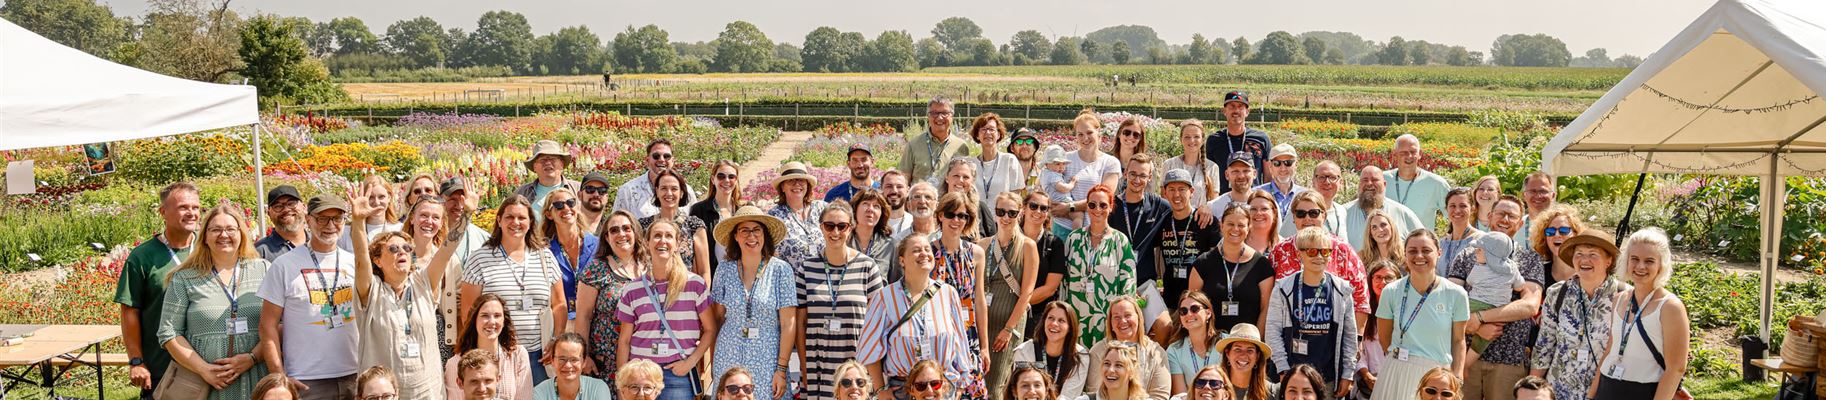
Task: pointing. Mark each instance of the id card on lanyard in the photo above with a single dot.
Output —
(1403, 326)
(235, 324)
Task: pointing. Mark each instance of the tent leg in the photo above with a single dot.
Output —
(1623, 228)
(259, 185)
(1775, 191)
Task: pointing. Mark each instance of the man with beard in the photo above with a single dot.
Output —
(922, 207)
(1370, 192)
(1236, 138)
(285, 209)
(862, 165)
(141, 289)
(1540, 193)
(593, 200)
(1181, 240)
(1025, 147)
(307, 321)
(636, 196)
(1239, 174)
(894, 190)
(548, 164)
(1280, 177)
(1420, 190)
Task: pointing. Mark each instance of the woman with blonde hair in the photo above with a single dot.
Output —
(665, 315)
(1103, 169)
(216, 284)
(1380, 241)
(1439, 384)
(1555, 225)
(1148, 362)
(1119, 364)
(1650, 337)
(1264, 220)
(639, 380)
(1484, 194)
(852, 381)
(1206, 175)
(377, 193)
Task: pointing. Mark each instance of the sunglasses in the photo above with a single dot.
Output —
(1312, 213)
(1191, 309)
(1038, 207)
(620, 229)
(836, 226)
(1216, 384)
(1131, 133)
(738, 389)
(851, 383)
(957, 215)
(725, 176)
(1556, 231)
(1026, 141)
(926, 386)
(1432, 391)
(563, 204)
(1007, 212)
(661, 156)
(595, 190)
(1316, 252)
(1282, 163)
(1029, 365)
(399, 248)
(1096, 205)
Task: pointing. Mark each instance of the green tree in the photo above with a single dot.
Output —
(1334, 56)
(1537, 50)
(353, 37)
(829, 50)
(891, 51)
(1159, 56)
(929, 52)
(1093, 52)
(1279, 47)
(1032, 44)
(1395, 52)
(1199, 52)
(1315, 49)
(1240, 49)
(647, 49)
(1139, 37)
(742, 48)
(501, 38)
(189, 39)
(955, 32)
(1352, 49)
(1066, 52)
(1418, 53)
(419, 39)
(279, 66)
(1627, 61)
(786, 58)
(1120, 52)
(1594, 58)
(80, 24)
(983, 52)
(572, 50)
(1459, 57)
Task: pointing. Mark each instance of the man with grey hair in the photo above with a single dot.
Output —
(1370, 188)
(1420, 190)
(922, 209)
(925, 152)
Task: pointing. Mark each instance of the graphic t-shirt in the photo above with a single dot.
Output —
(1181, 242)
(317, 331)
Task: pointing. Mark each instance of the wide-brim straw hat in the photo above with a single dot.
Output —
(549, 147)
(776, 230)
(1590, 237)
(1246, 333)
(795, 170)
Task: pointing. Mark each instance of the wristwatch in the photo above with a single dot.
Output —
(136, 361)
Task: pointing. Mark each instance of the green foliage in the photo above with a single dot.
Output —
(276, 63)
(955, 32)
(420, 39)
(501, 38)
(1467, 135)
(1067, 52)
(647, 49)
(1280, 48)
(80, 24)
(1720, 215)
(1394, 53)
(891, 51)
(1510, 121)
(60, 235)
(1032, 44)
(1120, 52)
(433, 74)
(571, 51)
(1719, 299)
(353, 37)
(1537, 50)
(742, 48)
(1511, 159)
(189, 39)
(178, 158)
(1481, 78)
(830, 50)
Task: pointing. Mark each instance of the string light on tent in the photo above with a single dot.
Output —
(1758, 110)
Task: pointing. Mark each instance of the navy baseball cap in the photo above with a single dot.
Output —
(1236, 96)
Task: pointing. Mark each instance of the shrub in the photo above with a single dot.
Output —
(1319, 128)
(1508, 121)
(179, 158)
(1512, 159)
(1719, 215)
(1467, 135)
(1718, 299)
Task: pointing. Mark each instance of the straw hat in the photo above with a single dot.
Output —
(776, 230)
(549, 147)
(1590, 237)
(795, 170)
(1248, 334)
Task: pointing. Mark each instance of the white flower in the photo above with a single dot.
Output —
(1679, 237)
(1723, 243)
(1798, 258)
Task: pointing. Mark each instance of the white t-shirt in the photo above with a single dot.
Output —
(1002, 175)
(317, 330)
(1087, 174)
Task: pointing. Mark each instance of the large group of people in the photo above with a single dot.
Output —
(984, 267)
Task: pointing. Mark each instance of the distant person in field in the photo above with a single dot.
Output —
(285, 209)
(1539, 192)
(1280, 170)
(548, 164)
(636, 196)
(1237, 138)
(141, 289)
(861, 162)
(1371, 184)
(593, 201)
(1420, 190)
(308, 322)
(925, 153)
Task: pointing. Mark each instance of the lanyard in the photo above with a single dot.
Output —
(1409, 323)
(234, 303)
(1230, 275)
(520, 276)
(840, 278)
(1629, 322)
(329, 290)
(748, 293)
(932, 145)
(1452, 246)
(407, 304)
(1307, 311)
(1401, 194)
(987, 174)
(174, 253)
(953, 263)
(1128, 218)
(659, 307)
(1584, 322)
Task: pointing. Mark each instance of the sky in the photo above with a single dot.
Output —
(1621, 26)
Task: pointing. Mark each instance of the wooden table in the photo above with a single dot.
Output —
(53, 342)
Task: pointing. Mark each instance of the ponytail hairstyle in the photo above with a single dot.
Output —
(677, 276)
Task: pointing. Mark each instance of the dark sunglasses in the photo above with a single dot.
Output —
(399, 248)
(725, 176)
(661, 156)
(1131, 133)
(1007, 213)
(1313, 213)
(738, 389)
(1559, 231)
(1038, 207)
(1217, 384)
(619, 229)
(1316, 252)
(851, 383)
(1432, 391)
(836, 226)
(1282, 163)
(957, 215)
(595, 190)
(926, 386)
(1191, 309)
(563, 204)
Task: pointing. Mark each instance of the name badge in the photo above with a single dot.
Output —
(1231, 308)
(662, 349)
(834, 325)
(1299, 346)
(1401, 354)
(1616, 370)
(1179, 273)
(751, 333)
(237, 326)
(408, 348)
(515, 304)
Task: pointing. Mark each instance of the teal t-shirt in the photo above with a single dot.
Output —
(1184, 362)
(587, 388)
(539, 194)
(142, 286)
(1429, 335)
(1425, 195)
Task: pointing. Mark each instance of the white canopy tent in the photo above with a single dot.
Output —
(1735, 93)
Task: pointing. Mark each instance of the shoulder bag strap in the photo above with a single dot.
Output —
(911, 310)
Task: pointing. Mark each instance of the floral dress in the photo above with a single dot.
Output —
(802, 241)
(604, 327)
(955, 269)
(1096, 276)
(750, 334)
(1575, 331)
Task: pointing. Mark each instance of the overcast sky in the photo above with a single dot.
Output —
(1621, 26)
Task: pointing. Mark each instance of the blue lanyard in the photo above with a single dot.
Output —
(1414, 315)
(839, 281)
(408, 306)
(234, 303)
(1401, 195)
(1306, 311)
(1637, 309)
(329, 288)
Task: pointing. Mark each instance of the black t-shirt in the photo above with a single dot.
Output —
(1142, 223)
(1249, 274)
(1181, 242)
(1220, 144)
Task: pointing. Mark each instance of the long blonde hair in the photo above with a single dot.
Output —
(1128, 357)
(678, 276)
(202, 261)
(393, 198)
(1373, 251)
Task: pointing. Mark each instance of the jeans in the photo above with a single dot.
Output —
(678, 387)
(539, 374)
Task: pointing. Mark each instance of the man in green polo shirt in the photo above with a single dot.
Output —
(141, 290)
(925, 153)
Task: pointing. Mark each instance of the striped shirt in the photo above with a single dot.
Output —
(526, 287)
(640, 301)
(835, 298)
(937, 330)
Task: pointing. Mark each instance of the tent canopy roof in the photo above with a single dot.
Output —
(1735, 93)
(52, 95)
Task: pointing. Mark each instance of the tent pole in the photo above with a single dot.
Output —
(1623, 228)
(1774, 195)
(259, 184)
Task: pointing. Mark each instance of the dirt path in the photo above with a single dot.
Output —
(775, 154)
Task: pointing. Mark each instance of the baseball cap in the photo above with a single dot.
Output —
(451, 185)
(320, 203)
(1282, 149)
(1242, 157)
(855, 147)
(1178, 175)
(273, 196)
(597, 176)
(1237, 95)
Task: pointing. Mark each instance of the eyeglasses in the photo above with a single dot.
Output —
(336, 220)
(563, 204)
(926, 386)
(1131, 133)
(1215, 384)
(725, 176)
(388, 396)
(749, 230)
(939, 113)
(660, 156)
(1191, 309)
(738, 389)
(836, 226)
(620, 229)
(1026, 141)
(1446, 393)
(851, 383)
(1308, 213)
(957, 215)
(1283, 163)
(1326, 178)
(399, 248)
(641, 389)
(1316, 252)
(1096, 205)
(1561, 231)
(1039, 207)
(595, 190)
(1007, 212)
